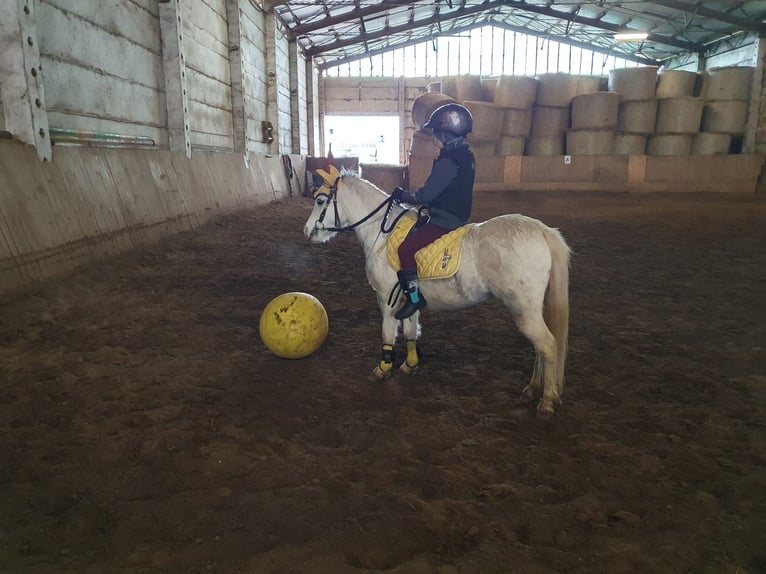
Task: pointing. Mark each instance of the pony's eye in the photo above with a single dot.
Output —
(320, 200)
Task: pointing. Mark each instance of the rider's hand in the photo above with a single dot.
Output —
(396, 195)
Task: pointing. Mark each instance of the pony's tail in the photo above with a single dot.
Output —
(556, 303)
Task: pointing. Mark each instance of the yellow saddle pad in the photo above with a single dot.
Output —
(437, 260)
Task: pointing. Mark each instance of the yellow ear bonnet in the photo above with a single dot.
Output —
(329, 179)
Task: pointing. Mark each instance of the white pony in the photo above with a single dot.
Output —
(513, 258)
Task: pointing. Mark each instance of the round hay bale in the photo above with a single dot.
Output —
(549, 121)
(590, 142)
(634, 84)
(669, 144)
(517, 92)
(545, 145)
(729, 83)
(487, 120)
(554, 89)
(595, 111)
(629, 144)
(483, 148)
(465, 88)
(637, 117)
(423, 144)
(425, 104)
(510, 145)
(516, 122)
(679, 115)
(725, 116)
(676, 83)
(707, 143)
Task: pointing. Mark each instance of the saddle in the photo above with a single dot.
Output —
(437, 260)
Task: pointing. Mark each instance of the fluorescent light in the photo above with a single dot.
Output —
(628, 36)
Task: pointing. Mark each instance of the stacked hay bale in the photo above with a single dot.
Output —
(515, 95)
(594, 121)
(637, 110)
(679, 113)
(726, 96)
(477, 97)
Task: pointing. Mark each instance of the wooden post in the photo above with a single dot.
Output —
(26, 117)
(239, 118)
(174, 65)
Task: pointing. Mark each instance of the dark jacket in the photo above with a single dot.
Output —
(448, 191)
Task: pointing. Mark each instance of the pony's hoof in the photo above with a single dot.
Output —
(405, 368)
(546, 408)
(528, 395)
(379, 374)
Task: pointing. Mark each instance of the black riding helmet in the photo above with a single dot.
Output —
(451, 120)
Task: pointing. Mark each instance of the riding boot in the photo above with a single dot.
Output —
(408, 279)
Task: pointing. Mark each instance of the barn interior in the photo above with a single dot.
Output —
(155, 163)
(193, 108)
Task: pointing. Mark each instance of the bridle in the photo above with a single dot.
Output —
(332, 196)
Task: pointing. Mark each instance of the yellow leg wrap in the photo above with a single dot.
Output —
(387, 362)
(412, 354)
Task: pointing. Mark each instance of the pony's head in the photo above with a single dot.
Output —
(325, 216)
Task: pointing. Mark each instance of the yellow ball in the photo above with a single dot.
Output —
(294, 325)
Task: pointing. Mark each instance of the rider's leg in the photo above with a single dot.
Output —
(408, 276)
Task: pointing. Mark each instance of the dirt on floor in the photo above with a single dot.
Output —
(145, 428)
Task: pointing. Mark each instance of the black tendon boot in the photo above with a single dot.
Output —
(408, 279)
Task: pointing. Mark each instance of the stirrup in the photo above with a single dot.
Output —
(410, 309)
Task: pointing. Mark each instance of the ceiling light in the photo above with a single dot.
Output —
(630, 36)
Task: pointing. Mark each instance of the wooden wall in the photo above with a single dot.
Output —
(93, 203)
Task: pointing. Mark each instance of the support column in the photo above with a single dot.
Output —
(240, 120)
(755, 129)
(174, 65)
(26, 117)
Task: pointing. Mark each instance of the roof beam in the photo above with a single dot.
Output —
(596, 23)
(699, 9)
(517, 29)
(566, 16)
(460, 13)
(359, 13)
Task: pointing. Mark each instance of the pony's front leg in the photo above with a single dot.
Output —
(410, 328)
(384, 369)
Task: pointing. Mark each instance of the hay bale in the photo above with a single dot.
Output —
(707, 143)
(483, 148)
(676, 84)
(729, 83)
(423, 144)
(637, 117)
(558, 89)
(510, 145)
(549, 120)
(634, 84)
(725, 116)
(545, 145)
(589, 142)
(465, 88)
(629, 144)
(518, 92)
(491, 85)
(669, 144)
(516, 122)
(679, 115)
(487, 120)
(595, 111)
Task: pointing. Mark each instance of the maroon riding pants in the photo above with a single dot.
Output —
(422, 236)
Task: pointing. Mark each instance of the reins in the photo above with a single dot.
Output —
(333, 196)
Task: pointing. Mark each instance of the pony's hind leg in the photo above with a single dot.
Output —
(545, 372)
(384, 368)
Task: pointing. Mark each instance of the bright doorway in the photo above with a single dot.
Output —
(373, 139)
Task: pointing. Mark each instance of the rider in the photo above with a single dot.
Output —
(447, 192)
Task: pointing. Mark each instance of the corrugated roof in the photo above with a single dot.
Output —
(338, 31)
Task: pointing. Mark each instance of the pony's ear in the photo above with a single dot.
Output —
(326, 177)
(334, 172)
